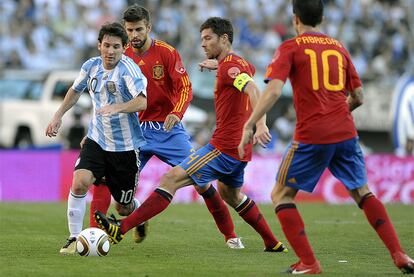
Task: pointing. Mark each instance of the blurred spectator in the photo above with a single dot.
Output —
(407, 149)
(76, 131)
(202, 137)
(381, 51)
(283, 128)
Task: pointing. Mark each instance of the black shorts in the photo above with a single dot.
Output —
(119, 168)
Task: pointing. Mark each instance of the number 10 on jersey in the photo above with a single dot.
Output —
(326, 69)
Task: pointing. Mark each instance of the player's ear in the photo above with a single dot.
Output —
(99, 46)
(224, 37)
(149, 27)
(295, 20)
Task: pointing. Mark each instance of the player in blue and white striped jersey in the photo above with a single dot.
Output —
(120, 131)
(118, 91)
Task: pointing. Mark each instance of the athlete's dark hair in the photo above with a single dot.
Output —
(114, 29)
(219, 26)
(136, 13)
(310, 12)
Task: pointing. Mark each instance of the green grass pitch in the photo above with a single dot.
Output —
(184, 241)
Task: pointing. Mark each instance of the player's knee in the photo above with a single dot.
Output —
(123, 210)
(278, 195)
(170, 181)
(201, 190)
(233, 199)
(359, 193)
(79, 186)
(175, 179)
(275, 196)
(82, 179)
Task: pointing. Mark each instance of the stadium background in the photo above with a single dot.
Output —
(47, 35)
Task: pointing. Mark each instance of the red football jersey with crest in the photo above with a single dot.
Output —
(232, 107)
(321, 73)
(169, 87)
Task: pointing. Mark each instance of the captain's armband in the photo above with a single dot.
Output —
(241, 81)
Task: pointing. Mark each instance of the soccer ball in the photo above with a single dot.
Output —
(92, 242)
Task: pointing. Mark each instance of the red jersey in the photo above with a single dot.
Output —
(321, 73)
(169, 88)
(232, 107)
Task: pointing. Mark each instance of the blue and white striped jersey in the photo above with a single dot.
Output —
(119, 132)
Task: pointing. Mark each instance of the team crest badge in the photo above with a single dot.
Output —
(157, 71)
(110, 87)
(233, 72)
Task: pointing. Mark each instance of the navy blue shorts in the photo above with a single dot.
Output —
(303, 164)
(208, 164)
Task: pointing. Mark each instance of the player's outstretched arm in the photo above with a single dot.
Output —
(136, 104)
(262, 135)
(69, 101)
(355, 99)
(269, 97)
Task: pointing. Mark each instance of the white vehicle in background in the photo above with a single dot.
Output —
(28, 100)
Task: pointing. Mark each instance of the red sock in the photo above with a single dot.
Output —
(153, 205)
(249, 211)
(378, 218)
(220, 212)
(101, 200)
(294, 229)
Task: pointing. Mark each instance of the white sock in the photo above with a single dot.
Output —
(76, 213)
(137, 203)
(243, 200)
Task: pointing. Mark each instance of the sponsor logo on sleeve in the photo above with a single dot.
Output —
(179, 67)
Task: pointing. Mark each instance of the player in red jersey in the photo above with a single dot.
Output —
(234, 95)
(169, 95)
(326, 88)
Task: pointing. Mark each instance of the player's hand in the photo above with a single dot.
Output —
(52, 128)
(262, 135)
(82, 143)
(210, 64)
(245, 139)
(107, 110)
(170, 121)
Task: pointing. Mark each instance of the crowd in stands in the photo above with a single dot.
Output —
(52, 34)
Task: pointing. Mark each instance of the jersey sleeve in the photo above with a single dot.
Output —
(181, 83)
(281, 64)
(236, 74)
(81, 82)
(135, 81)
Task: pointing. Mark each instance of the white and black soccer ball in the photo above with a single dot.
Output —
(92, 242)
